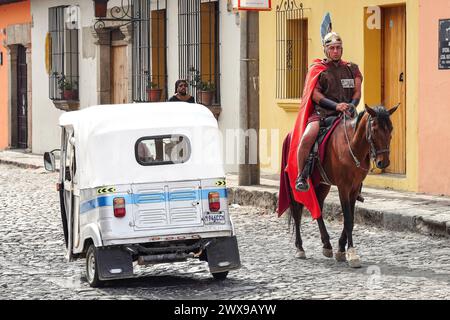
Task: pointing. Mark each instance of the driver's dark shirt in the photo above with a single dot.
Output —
(175, 99)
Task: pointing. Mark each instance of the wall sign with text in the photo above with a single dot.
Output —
(444, 44)
(256, 5)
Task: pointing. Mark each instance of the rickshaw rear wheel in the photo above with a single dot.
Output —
(92, 268)
(220, 276)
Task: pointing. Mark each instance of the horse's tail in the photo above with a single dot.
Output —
(295, 214)
(285, 196)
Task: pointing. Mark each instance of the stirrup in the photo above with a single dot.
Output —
(301, 184)
(360, 198)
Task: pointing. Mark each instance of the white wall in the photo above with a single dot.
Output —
(230, 78)
(229, 64)
(46, 132)
(45, 129)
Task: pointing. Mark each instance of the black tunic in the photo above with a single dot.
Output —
(175, 98)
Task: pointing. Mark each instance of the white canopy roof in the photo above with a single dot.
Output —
(105, 138)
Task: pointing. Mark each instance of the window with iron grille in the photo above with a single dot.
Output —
(64, 76)
(198, 31)
(292, 49)
(149, 50)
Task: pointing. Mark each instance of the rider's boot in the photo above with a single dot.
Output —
(303, 153)
(301, 184)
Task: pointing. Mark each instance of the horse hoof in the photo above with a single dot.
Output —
(300, 255)
(353, 259)
(327, 252)
(340, 256)
(355, 263)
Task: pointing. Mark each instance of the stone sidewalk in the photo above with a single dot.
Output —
(392, 210)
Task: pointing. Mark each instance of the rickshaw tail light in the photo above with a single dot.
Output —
(119, 207)
(214, 201)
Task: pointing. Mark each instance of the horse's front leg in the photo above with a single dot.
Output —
(340, 254)
(348, 200)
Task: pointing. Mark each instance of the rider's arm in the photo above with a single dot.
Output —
(357, 94)
(326, 103)
(320, 99)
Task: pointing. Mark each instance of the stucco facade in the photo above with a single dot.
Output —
(13, 17)
(434, 97)
(93, 52)
(350, 21)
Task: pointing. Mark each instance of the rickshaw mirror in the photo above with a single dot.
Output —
(49, 161)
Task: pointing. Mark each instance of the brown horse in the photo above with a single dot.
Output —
(347, 161)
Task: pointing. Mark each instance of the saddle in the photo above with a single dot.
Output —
(314, 160)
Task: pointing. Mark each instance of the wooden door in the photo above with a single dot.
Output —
(22, 107)
(119, 74)
(394, 81)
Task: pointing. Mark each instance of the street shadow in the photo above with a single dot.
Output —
(369, 268)
(176, 280)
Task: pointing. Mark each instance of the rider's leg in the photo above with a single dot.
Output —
(306, 143)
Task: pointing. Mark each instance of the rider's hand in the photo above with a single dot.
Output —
(344, 108)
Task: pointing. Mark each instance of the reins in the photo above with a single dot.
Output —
(357, 162)
(372, 149)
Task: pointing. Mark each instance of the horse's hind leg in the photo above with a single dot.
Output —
(296, 212)
(322, 192)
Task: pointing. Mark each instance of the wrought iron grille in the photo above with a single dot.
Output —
(64, 76)
(149, 48)
(291, 48)
(198, 30)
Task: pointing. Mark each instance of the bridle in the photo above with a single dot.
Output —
(372, 149)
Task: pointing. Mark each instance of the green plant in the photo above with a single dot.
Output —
(150, 83)
(196, 81)
(66, 84)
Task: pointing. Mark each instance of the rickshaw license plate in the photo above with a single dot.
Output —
(214, 218)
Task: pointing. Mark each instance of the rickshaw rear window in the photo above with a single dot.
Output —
(162, 150)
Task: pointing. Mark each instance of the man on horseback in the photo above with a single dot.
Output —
(337, 90)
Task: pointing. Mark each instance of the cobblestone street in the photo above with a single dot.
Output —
(396, 265)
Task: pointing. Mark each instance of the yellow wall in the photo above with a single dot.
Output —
(349, 21)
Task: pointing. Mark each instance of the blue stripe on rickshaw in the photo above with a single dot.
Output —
(107, 201)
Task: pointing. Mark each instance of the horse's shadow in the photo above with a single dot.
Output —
(377, 268)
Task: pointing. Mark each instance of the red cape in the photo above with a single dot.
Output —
(309, 198)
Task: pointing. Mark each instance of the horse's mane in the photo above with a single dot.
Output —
(358, 119)
(382, 116)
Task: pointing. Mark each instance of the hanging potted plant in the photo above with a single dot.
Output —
(154, 92)
(206, 93)
(205, 89)
(69, 88)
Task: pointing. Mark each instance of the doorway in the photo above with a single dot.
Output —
(22, 104)
(385, 81)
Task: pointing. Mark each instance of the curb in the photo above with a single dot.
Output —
(20, 164)
(395, 221)
(268, 200)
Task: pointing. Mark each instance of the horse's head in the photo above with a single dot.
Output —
(379, 134)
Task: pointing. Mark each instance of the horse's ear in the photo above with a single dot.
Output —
(371, 111)
(391, 111)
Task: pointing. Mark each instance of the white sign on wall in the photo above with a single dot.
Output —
(256, 5)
